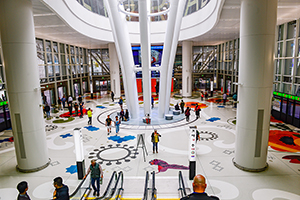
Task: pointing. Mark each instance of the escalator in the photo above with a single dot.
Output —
(113, 190)
(150, 192)
(182, 190)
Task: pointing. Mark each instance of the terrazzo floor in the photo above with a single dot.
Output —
(215, 151)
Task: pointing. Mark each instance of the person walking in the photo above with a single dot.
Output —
(199, 186)
(96, 173)
(70, 99)
(108, 124)
(126, 116)
(182, 106)
(112, 94)
(117, 124)
(122, 114)
(61, 191)
(121, 103)
(90, 114)
(155, 139)
(197, 111)
(187, 114)
(22, 188)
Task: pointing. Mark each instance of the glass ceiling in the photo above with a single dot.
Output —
(97, 6)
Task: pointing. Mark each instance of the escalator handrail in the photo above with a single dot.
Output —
(153, 195)
(114, 175)
(78, 187)
(181, 185)
(146, 186)
(120, 178)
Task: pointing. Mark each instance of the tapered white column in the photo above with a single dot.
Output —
(169, 52)
(187, 48)
(144, 20)
(22, 74)
(257, 36)
(121, 37)
(114, 70)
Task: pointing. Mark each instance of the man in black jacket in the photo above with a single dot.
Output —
(199, 186)
(61, 191)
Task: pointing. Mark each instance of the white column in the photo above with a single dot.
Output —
(20, 59)
(257, 36)
(187, 62)
(170, 45)
(114, 70)
(121, 36)
(144, 21)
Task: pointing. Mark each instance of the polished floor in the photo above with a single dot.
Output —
(215, 152)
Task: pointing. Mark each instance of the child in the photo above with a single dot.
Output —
(117, 124)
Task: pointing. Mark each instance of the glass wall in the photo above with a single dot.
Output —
(287, 59)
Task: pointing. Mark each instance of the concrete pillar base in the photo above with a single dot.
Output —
(34, 169)
(249, 169)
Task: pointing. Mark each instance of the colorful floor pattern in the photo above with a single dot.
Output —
(193, 105)
(285, 141)
(155, 97)
(67, 114)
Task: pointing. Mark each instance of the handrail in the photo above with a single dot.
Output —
(78, 187)
(120, 189)
(146, 186)
(153, 197)
(181, 189)
(114, 175)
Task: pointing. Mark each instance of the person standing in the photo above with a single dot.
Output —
(59, 103)
(96, 173)
(47, 110)
(76, 108)
(70, 107)
(182, 106)
(224, 98)
(22, 188)
(61, 191)
(63, 100)
(122, 114)
(152, 102)
(126, 116)
(197, 111)
(112, 94)
(206, 95)
(117, 124)
(187, 114)
(108, 124)
(81, 109)
(199, 186)
(90, 114)
(155, 139)
(70, 99)
(121, 103)
(79, 99)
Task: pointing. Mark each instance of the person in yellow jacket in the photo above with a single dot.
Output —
(89, 113)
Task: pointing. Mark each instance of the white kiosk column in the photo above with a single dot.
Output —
(257, 36)
(144, 21)
(21, 69)
(123, 46)
(114, 70)
(187, 61)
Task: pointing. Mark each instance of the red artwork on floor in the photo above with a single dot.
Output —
(67, 114)
(193, 105)
(285, 141)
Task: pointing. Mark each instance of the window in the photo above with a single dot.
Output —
(291, 30)
(290, 48)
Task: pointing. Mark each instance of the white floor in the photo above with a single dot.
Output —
(280, 181)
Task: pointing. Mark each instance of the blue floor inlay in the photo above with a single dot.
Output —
(72, 169)
(66, 135)
(213, 119)
(119, 139)
(91, 128)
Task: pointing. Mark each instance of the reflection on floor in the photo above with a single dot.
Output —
(215, 151)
